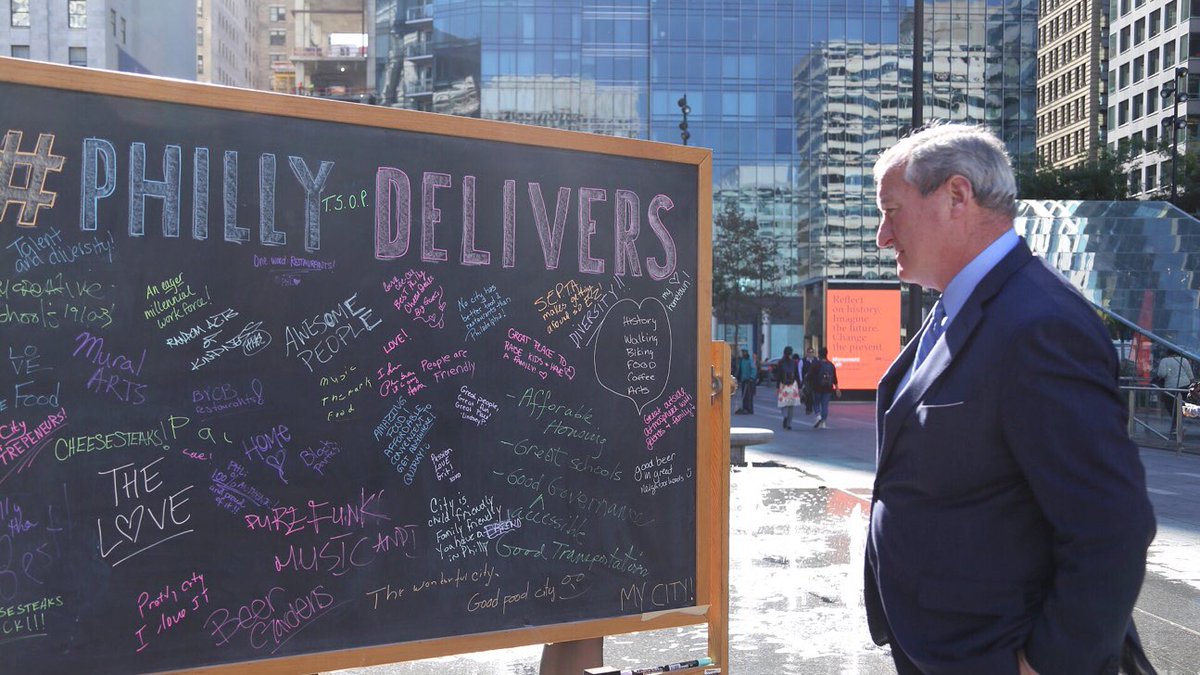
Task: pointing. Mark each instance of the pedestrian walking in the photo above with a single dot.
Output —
(823, 383)
(1009, 520)
(806, 394)
(747, 377)
(1173, 373)
(787, 386)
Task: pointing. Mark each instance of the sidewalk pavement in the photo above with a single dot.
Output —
(1167, 614)
(797, 526)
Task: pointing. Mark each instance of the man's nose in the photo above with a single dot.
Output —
(883, 236)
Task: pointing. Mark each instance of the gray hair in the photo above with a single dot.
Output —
(938, 151)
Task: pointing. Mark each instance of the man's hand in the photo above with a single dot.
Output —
(1023, 667)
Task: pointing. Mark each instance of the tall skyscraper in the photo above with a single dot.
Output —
(796, 99)
(229, 41)
(1072, 90)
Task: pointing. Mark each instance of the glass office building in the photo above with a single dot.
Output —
(796, 99)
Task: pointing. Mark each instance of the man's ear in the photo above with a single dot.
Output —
(961, 191)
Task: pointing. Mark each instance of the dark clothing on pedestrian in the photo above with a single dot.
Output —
(806, 392)
(747, 377)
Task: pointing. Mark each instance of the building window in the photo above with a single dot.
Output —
(77, 56)
(1152, 62)
(112, 21)
(1125, 39)
(278, 38)
(76, 13)
(199, 36)
(1151, 138)
(1151, 100)
(19, 51)
(278, 13)
(1138, 69)
(1155, 20)
(1139, 32)
(199, 64)
(1151, 177)
(1122, 113)
(1168, 53)
(1137, 107)
(1169, 16)
(123, 33)
(19, 13)
(1123, 78)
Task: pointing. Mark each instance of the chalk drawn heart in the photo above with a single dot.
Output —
(130, 526)
(633, 351)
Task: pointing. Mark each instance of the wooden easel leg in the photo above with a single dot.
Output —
(571, 658)
(718, 536)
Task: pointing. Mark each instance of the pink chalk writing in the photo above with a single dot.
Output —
(395, 379)
(535, 357)
(288, 520)
(678, 406)
(166, 607)
(270, 620)
(416, 295)
(16, 438)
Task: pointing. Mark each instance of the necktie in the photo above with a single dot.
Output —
(931, 334)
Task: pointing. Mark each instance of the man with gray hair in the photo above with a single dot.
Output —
(1009, 518)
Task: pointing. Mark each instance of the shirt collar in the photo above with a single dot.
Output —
(964, 283)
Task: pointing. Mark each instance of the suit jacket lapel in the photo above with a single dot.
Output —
(950, 346)
(888, 385)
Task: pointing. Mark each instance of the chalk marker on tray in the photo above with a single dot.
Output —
(682, 665)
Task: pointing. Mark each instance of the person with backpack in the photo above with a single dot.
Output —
(787, 386)
(823, 382)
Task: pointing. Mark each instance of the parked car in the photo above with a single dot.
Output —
(766, 370)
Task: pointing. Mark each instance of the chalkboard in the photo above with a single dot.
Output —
(286, 376)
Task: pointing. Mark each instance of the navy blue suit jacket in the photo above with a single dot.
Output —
(1010, 508)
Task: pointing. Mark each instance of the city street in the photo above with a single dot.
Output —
(797, 525)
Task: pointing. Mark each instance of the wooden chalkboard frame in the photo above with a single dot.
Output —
(712, 484)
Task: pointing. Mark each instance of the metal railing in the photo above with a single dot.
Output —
(1146, 413)
(419, 12)
(418, 49)
(419, 86)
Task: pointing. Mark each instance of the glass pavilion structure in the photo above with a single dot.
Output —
(796, 99)
(1139, 262)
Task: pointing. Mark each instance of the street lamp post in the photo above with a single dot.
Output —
(914, 318)
(683, 127)
(1173, 90)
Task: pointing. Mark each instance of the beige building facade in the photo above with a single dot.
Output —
(230, 35)
(1071, 90)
